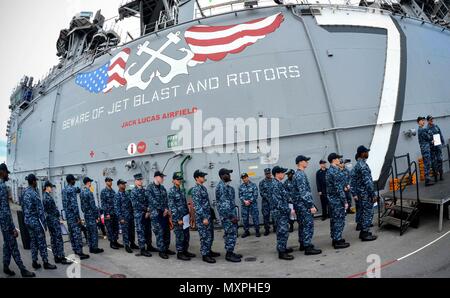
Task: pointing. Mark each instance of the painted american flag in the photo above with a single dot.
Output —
(216, 42)
(107, 77)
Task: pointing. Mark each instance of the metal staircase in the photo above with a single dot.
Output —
(398, 211)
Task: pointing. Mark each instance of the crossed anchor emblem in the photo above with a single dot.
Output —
(177, 67)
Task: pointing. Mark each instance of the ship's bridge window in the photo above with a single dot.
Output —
(215, 7)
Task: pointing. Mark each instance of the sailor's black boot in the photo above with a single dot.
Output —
(230, 257)
(285, 256)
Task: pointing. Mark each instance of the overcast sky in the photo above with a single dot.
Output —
(30, 29)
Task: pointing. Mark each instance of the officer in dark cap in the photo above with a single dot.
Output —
(91, 215)
(179, 209)
(304, 207)
(279, 202)
(322, 188)
(141, 208)
(265, 188)
(53, 219)
(436, 150)
(289, 185)
(124, 211)
(70, 205)
(34, 218)
(9, 231)
(248, 195)
(202, 206)
(425, 142)
(226, 205)
(159, 214)
(363, 191)
(107, 196)
(336, 182)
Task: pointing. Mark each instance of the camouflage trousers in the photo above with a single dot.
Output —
(38, 243)
(230, 234)
(436, 159)
(206, 236)
(426, 156)
(112, 228)
(282, 224)
(358, 215)
(337, 219)
(56, 238)
(252, 210)
(143, 230)
(265, 209)
(306, 224)
(75, 236)
(11, 249)
(182, 237)
(366, 213)
(92, 232)
(161, 230)
(128, 231)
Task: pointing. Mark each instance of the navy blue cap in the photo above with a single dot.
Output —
(86, 180)
(362, 149)
(49, 184)
(138, 176)
(267, 170)
(177, 176)
(278, 169)
(159, 174)
(429, 117)
(120, 181)
(31, 177)
(4, 167)
(420, 118)
(70, 178)
(108, 179)
(243, 175)
(301, 158)
(333, 156)
(199, 173)
(224, 172)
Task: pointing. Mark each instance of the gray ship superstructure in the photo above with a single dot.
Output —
(335, 75)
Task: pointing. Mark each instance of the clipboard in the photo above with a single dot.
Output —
(64, 231)
(186, 222)
(437, 140)
(291, 215)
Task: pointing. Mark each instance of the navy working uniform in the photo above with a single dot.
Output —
(90, 217)
(265, 188)
(70, 205)
(179, 208)
(289, 186)
(336, 181)
(225, 198)
(140, 202)
(53, 218)
(425, 139)
(107, 196)
(362, 188)
(200, 199)
(436, 151)
(279, 203)
(124, 211)
(249, 192)
(10, 247)
(34, 219)
(157, 196)
(303, 203)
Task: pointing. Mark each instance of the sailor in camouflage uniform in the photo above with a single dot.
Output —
(226, 205)
(336, 181)
(53, 219)
(124, 211)
(34, 219)
(265, 187)
(304, 207)
(70, 205)
(248, 194)
(425, 142)
(91, 215)
(159, 214)
(279, 203)
(345, 167)
(202, 206)
(436, 151)
(141, 209)
(9, 231)
(289, 185)
(107, 196)
(179, 209)
(363, 191)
